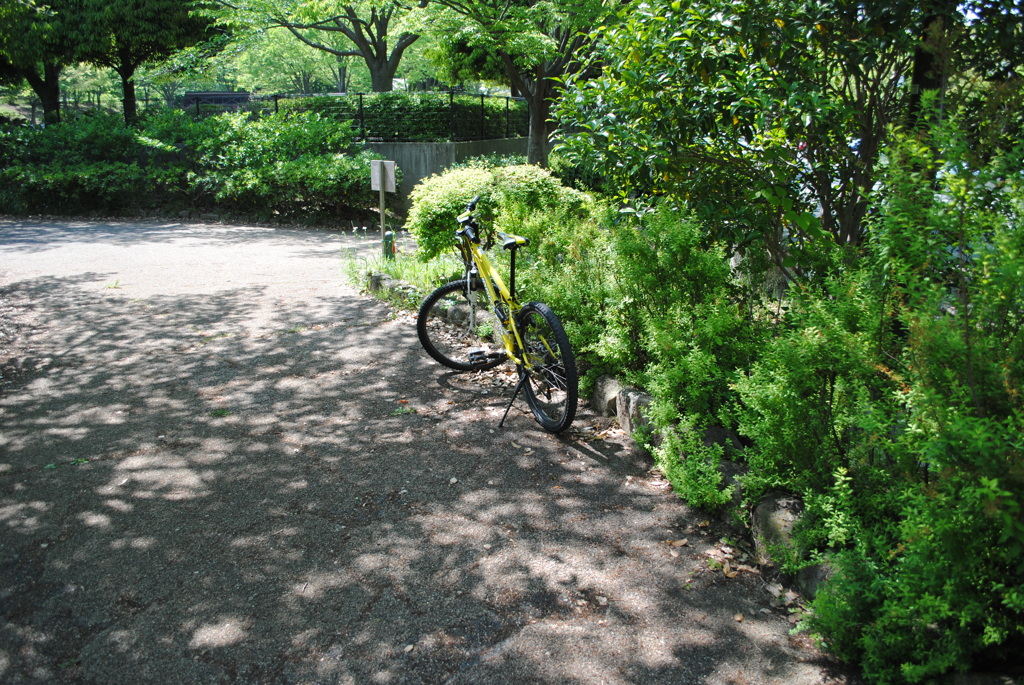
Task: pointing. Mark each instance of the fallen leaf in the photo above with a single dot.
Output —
(704, 524)
(738, 617)
(748, 569)
(727, 569)
(733, 574)
(680, 543)
(409, 648)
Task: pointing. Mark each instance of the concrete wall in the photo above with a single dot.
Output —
(419, 160)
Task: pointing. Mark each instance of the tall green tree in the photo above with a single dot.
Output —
(37, 42)
(538, 43)
(274, 61)
(129, 33)
(766, 117)
(363, 30)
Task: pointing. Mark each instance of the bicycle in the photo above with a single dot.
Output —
(477, 323)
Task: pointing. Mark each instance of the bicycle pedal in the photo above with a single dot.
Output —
(478, 356)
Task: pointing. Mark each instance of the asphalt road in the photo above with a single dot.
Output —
(221, 463)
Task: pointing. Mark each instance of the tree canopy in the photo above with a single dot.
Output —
(766, 118)
(537, 43)
(362, 30)
(37, 42)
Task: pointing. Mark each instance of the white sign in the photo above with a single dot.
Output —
(382, 175)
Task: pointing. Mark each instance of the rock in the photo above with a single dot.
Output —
(604, 398)
(772, 523)
(630, 406)
(810, 578)
(378, 281)
(772, 526)
(729, 440)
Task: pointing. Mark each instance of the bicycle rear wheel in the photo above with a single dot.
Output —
(455, 324)
(552, 386)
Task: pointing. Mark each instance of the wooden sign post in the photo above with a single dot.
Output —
(382, 178)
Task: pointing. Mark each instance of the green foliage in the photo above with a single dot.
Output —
(508, 194)
(420, 116)
(743, 112)
(96, 137)
(693, 467)
(682, 317)
(891, 400)
(297, 166)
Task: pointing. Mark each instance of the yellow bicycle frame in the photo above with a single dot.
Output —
(510, 337)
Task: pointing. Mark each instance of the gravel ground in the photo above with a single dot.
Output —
(220, 463)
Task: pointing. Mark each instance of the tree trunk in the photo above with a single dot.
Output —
(930, 64)
(342, 77)
(381, 75)
(537, 139)
(47, 88)
(131, 111)
(536, 90)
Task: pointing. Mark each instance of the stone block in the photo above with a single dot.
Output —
(772, 523)
(631, 406)
(604, 399)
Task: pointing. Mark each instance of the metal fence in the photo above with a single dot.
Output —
(395, 116)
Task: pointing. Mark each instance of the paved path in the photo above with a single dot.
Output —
(220, 463)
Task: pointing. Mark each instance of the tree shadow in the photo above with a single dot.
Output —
(184, 498)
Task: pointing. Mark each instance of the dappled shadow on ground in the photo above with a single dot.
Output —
(186, 498)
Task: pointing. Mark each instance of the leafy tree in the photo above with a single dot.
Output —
(129, 33)
(37, 42)
(766, 118)
(274, 61)
(365, 30)
(536, 42)
(757, 115)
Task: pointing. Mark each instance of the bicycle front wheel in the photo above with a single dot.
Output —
(552, 386)
(456, 327)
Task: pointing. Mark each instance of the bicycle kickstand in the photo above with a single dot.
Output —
(515, 393)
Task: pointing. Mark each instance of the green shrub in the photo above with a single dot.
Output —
(685, 332)
(87, 138)
(507, 195)
(892, 401)
(61, 189)
(419, 116)
(293, 165)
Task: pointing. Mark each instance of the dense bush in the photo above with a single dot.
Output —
(893, 402)
(420, 116)
(507, 195)
(298, 166)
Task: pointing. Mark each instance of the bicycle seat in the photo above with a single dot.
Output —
(511, 242)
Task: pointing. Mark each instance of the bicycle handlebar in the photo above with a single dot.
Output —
(472, 204)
